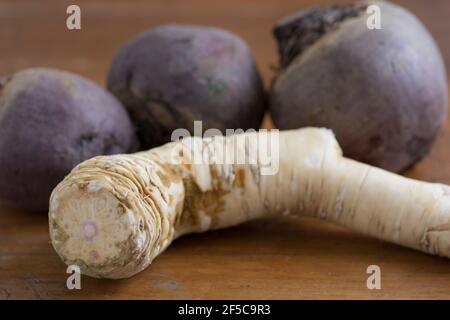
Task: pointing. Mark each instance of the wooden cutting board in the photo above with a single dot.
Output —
(267, 259)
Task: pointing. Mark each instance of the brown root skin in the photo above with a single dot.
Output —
(299, 31)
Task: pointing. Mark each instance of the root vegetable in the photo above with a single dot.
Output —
(50, 121)
(171, 75)
(384, 92)
(113, 215)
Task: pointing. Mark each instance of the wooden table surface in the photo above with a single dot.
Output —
(267, 259)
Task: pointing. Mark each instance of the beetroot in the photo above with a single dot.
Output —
(383, 92)
(50, 121)
(171, 75)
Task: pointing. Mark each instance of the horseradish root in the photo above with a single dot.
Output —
(113, 215)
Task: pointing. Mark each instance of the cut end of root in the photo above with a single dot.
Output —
(302, 29)
(92, 229)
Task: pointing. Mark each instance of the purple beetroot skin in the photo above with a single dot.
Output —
(383, 92)
(172, 75)
(49, 122)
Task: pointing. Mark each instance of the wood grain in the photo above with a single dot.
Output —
(268, 259)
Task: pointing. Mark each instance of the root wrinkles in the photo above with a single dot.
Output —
(433, 246)
(441, 228)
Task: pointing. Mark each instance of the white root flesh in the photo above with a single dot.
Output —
(112, 215)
